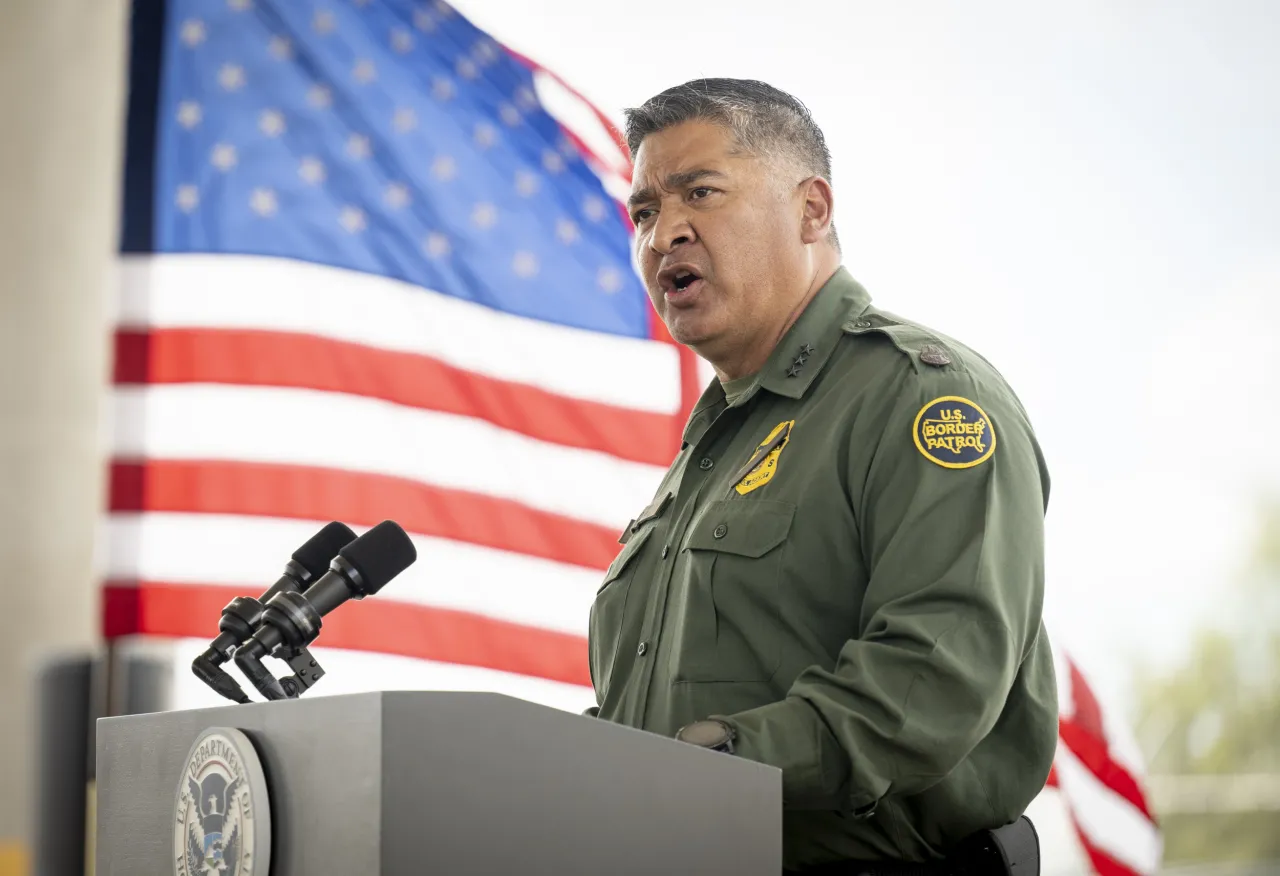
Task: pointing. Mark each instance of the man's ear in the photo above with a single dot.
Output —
(818, 209)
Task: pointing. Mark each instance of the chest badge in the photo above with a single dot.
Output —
(764, 461)
(954, 432)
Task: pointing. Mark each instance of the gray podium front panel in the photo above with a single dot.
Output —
(449, 783)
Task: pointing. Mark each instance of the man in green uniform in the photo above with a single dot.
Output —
(841, 573)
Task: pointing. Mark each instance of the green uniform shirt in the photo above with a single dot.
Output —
(847, 565)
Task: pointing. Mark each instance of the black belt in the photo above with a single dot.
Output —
(1012, 850)
(874, 868)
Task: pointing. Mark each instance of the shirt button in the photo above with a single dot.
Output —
(862, 323)
(720, 531)
(706, 463)
(665, 548)
(644, 646)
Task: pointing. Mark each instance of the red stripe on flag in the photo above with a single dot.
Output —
(375, 624)
(306, 493)
(1103, 863)
(1092, 752)
(264, 358)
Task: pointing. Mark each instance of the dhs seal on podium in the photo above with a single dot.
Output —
(223, 820)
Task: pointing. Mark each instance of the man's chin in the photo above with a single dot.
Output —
(690, 333)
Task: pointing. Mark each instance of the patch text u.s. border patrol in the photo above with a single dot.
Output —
(764, 460)
(954, 432)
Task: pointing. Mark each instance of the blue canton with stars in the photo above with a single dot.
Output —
(389, 137)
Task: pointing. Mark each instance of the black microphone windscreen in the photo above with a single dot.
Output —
(380, 554)
(314, 556)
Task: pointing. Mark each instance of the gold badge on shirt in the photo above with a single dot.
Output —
(764, 461)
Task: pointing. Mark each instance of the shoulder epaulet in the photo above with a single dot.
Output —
(925, 348)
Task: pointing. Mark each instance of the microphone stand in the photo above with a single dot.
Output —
(294, 623)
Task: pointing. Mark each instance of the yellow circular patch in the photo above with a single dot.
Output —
(954, 432)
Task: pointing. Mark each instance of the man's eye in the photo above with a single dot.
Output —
(640, 215)
(704, 189)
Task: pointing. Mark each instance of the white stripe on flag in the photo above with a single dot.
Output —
(250, 553)
(352, 433)
(271, 294)
(1109, 821)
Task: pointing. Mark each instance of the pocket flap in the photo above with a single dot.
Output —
(746, 528)
(624, 556)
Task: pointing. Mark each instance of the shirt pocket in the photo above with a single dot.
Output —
(608, 611)
(732, 628)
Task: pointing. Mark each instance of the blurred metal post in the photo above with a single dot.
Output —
(63, 723)
(70, 699)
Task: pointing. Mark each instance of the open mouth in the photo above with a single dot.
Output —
(679, 282)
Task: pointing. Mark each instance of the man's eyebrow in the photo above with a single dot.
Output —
(677, 180)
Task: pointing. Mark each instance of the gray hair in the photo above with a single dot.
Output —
(764, 120)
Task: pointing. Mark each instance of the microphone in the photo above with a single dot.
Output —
(241, 617)
(291, 619)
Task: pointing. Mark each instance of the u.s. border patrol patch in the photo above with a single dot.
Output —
(954, 432)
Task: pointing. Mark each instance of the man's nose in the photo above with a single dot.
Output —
(672, 230)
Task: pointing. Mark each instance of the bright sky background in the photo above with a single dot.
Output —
(1087, 193)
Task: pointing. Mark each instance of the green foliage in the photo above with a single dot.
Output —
(1219, 713)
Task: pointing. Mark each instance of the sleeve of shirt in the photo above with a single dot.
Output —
(953, 603)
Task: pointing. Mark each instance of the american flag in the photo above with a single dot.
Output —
(374, 266)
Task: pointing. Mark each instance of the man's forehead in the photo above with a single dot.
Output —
(674, 158)
(684, 145)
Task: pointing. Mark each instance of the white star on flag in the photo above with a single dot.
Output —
(224, 156)
(467, 68)
(486, 135)
(311, 170)
(324, 22)
(401, 40)
(552, 161)
(193, 32)
(281, 49)
(364, 72)
(352, 219)
(271, 122)
(485, 215)
(567, 231)
(436, 245)
(187, 198)
(444, 168)
(319, 96)
(358, 146)
(396, 196)
(525, 264)
(263, 202)
(609, 279)
(526, 184)
(442, 88)
(509, 114)
(405, 119)
(594, 208)
(423, 21)
(525, 98)
(484, 52)
(231, 77)
(189, 114)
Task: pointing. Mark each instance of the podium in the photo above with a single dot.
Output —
(464, 784)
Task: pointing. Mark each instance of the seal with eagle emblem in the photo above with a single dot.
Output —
(223, 820)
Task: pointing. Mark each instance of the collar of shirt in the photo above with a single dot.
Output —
(798, 358)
